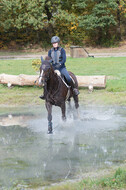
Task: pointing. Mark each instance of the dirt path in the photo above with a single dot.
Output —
(34, 56)
(37, 53)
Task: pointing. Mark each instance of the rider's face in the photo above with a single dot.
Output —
(55, 45)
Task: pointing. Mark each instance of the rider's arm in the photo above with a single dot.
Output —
(63, 54)
(49, 54)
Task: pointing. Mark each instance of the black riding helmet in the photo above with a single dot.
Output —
(55, 39)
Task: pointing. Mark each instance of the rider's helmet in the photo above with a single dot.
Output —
(55, 39)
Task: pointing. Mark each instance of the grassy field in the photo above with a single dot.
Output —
(114, 93)
(114, 181)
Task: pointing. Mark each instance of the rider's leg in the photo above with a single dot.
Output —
(70, 82)
(75, 90)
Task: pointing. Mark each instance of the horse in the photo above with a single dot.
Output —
(56, 91)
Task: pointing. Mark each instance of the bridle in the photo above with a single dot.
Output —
(44, 74)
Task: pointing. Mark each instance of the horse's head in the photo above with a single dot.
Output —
(45, 70)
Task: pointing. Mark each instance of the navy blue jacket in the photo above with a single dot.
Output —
(63, 58)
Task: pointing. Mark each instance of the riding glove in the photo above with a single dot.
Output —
(58, 65)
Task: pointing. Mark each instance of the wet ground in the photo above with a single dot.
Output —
(30, 157)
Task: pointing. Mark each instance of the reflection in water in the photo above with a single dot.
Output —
(28, 154)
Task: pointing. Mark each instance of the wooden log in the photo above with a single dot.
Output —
(95, 81)
(20, 80)
(83, 81)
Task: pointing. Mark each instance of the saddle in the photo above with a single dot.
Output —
(62, 78)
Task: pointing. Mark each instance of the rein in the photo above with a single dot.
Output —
(60, 80)
(68, 87)
(54, 77)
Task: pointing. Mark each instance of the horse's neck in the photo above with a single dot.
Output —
(53, 83)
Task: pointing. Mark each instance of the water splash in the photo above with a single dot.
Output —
(93, 141)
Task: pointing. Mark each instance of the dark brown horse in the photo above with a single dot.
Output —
(56, 91)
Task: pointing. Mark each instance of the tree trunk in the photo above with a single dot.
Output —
(22, 80)
(118, 21)
(99, 40)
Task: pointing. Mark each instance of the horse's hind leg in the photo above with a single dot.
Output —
(63, 109)
(69, 110)
(69, 104)
(76, 106)
(76, 101)
(49, 109)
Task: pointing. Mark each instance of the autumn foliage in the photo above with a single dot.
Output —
(76, 22)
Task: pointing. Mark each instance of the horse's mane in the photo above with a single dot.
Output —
(45, 63)
(47, 58)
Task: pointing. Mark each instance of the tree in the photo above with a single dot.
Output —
(94, 21)
(99, 20)
(118, 21)
(30, 15)
(121, 18)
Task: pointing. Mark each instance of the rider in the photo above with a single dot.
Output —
(58, 59)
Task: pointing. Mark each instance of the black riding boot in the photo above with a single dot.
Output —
(74, 88)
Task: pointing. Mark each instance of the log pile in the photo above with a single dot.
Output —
(30, 80)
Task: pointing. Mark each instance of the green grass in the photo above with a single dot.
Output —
(113, 180)
(20, 95)
(89, 66)
(16, 67)
(114, 68)
(118, 180)
(98, 66)
(110, 182)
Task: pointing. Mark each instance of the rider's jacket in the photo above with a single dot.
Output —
(58, 57)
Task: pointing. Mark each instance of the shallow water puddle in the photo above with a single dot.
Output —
(31, 157)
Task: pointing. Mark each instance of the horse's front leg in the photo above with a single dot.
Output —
(49, 109)
(63, 109)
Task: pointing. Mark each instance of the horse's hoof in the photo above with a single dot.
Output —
(49, 132)
(64, 119)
